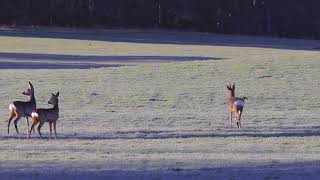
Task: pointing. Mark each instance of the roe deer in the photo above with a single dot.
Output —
(235, 104)
(46, 115)
(20, 109)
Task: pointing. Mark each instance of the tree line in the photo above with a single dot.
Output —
(279, 18)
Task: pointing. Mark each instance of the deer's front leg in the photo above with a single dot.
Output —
(50, 125)
(55, 131)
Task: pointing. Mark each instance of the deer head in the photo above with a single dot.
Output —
(54, 99)
(231, 89)
(29, 91)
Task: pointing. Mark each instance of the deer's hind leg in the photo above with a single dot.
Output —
(240, 113)
(28, 123)
(10, 119)
(34, 122)
(238, 124)
(236, 118)
(16, 122)
(39, 127)
(231, 119)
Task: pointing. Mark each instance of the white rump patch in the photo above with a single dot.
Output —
(34, 114)
(12, 107)
(239, 103)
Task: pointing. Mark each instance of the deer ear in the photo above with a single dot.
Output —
(52, 94)
(234, 86)
(57, 94)
(30, 85)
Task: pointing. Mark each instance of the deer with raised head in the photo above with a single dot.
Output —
(235, 104)
(50, 115)
(20, 109)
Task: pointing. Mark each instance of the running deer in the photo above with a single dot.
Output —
(46, 115)
(235, 104)
(20, 109)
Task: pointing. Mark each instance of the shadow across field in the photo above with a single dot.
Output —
(174, 135)
(61, 61)
(312, 131)
(272, 170)
(39, 65)
(165, 37)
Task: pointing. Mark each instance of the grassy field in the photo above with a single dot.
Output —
(152, 105)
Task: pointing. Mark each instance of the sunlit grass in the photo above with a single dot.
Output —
(131, 114)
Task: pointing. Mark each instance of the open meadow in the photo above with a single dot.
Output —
(152, 105)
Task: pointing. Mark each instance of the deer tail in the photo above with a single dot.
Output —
(12, 107)
(34, 114)
(244, 98)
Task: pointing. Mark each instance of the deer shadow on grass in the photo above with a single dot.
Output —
(146, 134)
(187, 135)
(60, 61)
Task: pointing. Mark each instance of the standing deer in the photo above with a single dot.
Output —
(235, 104)
(20, 109)
(46, 115)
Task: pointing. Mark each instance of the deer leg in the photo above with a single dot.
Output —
(240, 113)
(34, 121)
(32, 127)
(10, 119)
(237, 120)
(50, 125)
(28, 126)
(16, 123)
(28, 123)
(231, 119)
(39, 127)
(34, 130)
(54, 127)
